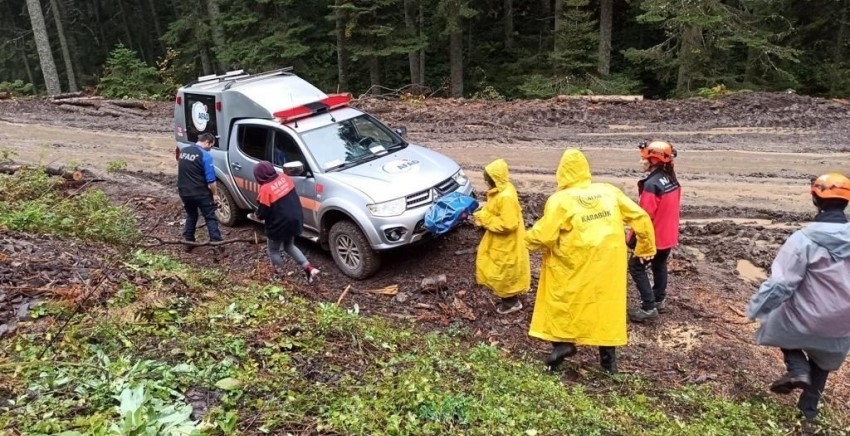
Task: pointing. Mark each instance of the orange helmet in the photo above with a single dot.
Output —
(832, 185)
(658, 150)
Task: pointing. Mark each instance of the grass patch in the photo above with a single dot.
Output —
(32, 201)
(272, 362)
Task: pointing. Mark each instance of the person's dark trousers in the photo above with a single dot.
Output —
(797, 363)
(608, 358)
(650, 293)
(205, 204)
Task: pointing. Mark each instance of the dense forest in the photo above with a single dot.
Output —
(481, 48)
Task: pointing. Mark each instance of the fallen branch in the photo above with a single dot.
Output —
(387, 290)
(344, 293)
(60, 171)
(129, 104)
(195, 244)
(116, 112)
(736, 311)
(79, 110)
(84, 101)
(66, 95)
(602, 98)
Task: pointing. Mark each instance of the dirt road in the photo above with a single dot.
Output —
(722, 176)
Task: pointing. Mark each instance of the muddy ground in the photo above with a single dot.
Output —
(744, 162)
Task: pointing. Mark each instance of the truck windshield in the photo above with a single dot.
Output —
(351, 142)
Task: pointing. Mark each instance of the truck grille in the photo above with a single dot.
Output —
(431, 195)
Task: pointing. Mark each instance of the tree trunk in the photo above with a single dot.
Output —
(559, 25)
(42, 43)
(341, 51)
(412, 57)
(126, 24)
(101, 31)
(155, 18)
(838, 50)
(690, 40)
(375, 74)
(63, 42)
(606, 16)
(206, 63)
(509, 24)
(456, 61)
(751, 70)
(422, 52)
(217, 34)
(25, 55)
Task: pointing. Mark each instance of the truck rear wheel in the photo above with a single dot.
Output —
(352, 252)
(229, 214)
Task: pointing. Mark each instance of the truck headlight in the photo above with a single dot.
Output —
(460, 178)
(389, 208)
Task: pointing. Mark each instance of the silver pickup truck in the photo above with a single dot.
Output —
(363, 188)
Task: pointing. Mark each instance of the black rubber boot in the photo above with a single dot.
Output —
(560, 351)
(608, 359)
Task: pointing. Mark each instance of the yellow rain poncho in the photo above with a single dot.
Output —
(502, 263)
(581, 296)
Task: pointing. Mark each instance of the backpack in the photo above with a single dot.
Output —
(449, 211)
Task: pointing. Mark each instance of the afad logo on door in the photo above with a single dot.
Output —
(200, 116)
(401, 166)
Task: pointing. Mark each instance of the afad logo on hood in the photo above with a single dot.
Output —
(401, 166)
(200, 116)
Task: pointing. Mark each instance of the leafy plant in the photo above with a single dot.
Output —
(140, 414)
(17, 87)
(714, 92)
(488, 93)
(116, 165)
(30, 201)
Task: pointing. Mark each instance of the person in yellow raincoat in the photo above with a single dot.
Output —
(581, 297)
(502, 263)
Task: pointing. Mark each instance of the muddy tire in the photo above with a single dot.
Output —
(352, 252)
(229, 214)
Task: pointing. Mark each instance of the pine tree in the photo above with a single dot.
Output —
(575, 39)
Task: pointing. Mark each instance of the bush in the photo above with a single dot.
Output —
(127, 76)
(18, 87)
(539, 86)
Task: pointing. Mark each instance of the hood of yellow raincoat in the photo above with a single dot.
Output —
(498, 171)
(573, 170)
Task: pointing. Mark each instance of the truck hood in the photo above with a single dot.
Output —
(398, 174)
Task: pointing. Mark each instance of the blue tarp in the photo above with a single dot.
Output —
(449, 211)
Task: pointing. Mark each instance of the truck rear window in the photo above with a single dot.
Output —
(199, 111)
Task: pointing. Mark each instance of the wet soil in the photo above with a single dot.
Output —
(745, 166)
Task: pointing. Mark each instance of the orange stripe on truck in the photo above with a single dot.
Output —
(309, 203)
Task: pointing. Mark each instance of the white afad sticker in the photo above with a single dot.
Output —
(200, 116)
(401, 166)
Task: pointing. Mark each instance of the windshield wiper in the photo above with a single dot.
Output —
(399, 146)
(353, 163)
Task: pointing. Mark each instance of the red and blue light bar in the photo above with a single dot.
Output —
(327, 104)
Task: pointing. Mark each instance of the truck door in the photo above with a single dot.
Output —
(252, 145)
(287, 150)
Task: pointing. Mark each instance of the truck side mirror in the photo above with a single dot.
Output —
(293, 169)
(401, 131)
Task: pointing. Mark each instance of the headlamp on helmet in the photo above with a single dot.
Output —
(658, 150)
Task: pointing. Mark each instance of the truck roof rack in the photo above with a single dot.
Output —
(237, 75)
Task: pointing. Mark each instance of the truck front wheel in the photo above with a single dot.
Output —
(228, 214)
(352, 252)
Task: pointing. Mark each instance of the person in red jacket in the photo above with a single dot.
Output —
(660, 196)
(279, 207)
